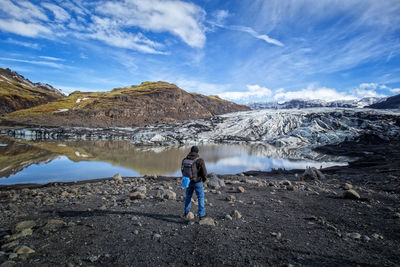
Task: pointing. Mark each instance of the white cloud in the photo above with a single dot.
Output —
(177, 17)
(23, 10)
(220, 16)
(59, 13)
(52, 58)
(255, 34)
(253, 91)
(200, 87)
(25, 44)
(395, 90)
(22, 28)
(36, 62)
(323, 93)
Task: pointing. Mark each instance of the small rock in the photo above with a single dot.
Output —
(117, 177)
(366, 238)
(396, 215)
(347, 186)
(137, 195)
(231, 198)
(8, 264)
(236, 214)
(215, 182)
(22, 225)
(12, 256)
(313, 173)
(10, 245)
(351, 194)
(94, 258)
(354, 235)
(169, 194)
(376, 236)
(189, 216)
(53, 223)
(207, 221)
(23, 233)
(136, 232)
(228, 217)
(286, 182)
(64, 194)
(240, 189)
(290, 188)
(156, 236)
(24, 250)
(141, 189)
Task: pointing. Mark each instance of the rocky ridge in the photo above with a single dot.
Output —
(145, 104)
(17, 92)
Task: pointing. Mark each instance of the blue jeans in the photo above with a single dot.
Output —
(198, 187)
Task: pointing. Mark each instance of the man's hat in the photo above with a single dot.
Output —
(194, 149)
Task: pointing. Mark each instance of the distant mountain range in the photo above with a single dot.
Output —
(301, 103)
(17, 92)
(146, 104)
(392, 102)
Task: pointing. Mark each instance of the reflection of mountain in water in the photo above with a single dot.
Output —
(18, 154)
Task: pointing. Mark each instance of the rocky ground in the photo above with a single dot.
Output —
(343, 216)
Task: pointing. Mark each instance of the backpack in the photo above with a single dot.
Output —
(189, 169)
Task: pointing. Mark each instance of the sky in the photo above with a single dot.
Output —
(241, 50)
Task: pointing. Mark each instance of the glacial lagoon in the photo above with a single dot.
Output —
(23, 161)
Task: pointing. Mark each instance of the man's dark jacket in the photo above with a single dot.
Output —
(201, 173)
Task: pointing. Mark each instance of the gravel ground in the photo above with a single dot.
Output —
(257, 219)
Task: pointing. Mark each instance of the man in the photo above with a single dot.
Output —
(194, 167)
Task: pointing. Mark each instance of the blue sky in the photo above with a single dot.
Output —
(244, 50)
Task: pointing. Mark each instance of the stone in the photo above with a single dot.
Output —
(228, 217)
(353, 235)
(137, 195)
(10, 245)
(117, 177)
(231, 198)
(347, 186)
(236, 214)
(396, 215)
(64, 194)
(136, 232)
(24, 250)
(23, 233)
(207, 221)
(141, 189)
(215, 182)
(94, 258)
(240, 189)
(290, 188)
(366, 238)
(53, 223)
(313, 173)
(189, 216)
(286, 182)
(376, 236)
(351, 194)
(156, 236)
(252, 181)
(22, 225)
(12, 256)
(169, 194)
(8, 264)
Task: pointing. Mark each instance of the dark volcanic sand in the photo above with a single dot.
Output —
(311, 225)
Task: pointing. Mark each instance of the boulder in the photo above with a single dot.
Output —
(10, 245)
(8, 264)
(215, 182)
(313, 173)
(231, 198)
(347, 186)
(351, 194)
(22, 225)
(23, 233)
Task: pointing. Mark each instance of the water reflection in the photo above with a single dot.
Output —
(25, 161)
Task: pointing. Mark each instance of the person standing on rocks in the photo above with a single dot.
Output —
(194, 167)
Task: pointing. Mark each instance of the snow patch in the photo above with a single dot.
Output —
(61, 110)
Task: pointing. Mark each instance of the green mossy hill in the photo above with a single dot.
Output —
(145, 104)
(17, 93)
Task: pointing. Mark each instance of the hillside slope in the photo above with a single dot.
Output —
(17, 92)
(146, 104)
(392, 102)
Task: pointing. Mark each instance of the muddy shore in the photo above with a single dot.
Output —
(277, 218)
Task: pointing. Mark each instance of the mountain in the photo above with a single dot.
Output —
(316, 103)
(146, 104)
(17, 92)
(392, 102)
